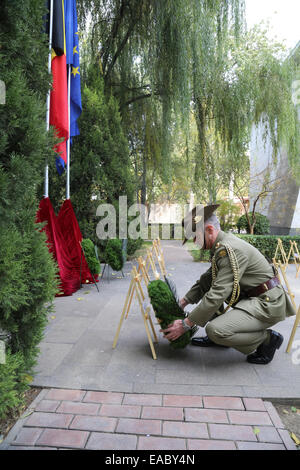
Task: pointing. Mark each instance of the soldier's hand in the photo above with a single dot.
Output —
(183, 303)
(174, 330)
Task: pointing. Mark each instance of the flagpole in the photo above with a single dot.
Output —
(46, 187)
(68, 142)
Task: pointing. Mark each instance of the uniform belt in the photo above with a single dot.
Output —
(264, 287)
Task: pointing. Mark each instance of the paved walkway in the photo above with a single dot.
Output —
(79, 419)
(95, 396)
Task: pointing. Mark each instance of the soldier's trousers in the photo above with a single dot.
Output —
(238, 329)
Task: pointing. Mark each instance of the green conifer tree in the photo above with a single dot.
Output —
(27, 270)
(100, 169)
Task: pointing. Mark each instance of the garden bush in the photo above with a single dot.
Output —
(13, 382)
(133, 245)
(262, 224)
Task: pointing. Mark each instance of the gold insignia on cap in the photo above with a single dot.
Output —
(197, 219)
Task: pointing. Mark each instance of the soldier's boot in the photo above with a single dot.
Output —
(205, 342)
(265, 352)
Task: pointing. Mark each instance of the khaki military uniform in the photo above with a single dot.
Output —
(244, 326)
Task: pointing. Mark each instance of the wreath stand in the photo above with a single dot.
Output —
(278, 265)
(139, 274)
(280, 251)
(296, 256)
(296, 324)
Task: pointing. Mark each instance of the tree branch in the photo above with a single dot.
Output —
(120, 48)
(137, 98)
(114, 31)
(122, 85)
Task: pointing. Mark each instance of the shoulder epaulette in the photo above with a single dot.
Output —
(221, 253)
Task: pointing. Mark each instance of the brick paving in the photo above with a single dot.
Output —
(79, 419)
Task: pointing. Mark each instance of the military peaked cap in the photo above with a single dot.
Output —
(195, 219)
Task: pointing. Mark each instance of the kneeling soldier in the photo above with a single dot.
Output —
(241, 277)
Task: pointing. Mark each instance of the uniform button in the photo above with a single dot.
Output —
(267, 299)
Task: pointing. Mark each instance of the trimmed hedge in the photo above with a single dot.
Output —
(266, 244)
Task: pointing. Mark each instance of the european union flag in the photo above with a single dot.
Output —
(72, 49)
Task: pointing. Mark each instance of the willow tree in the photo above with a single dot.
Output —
(184, 56)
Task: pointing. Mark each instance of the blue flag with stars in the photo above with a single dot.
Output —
(72, 52)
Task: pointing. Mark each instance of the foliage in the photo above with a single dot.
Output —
(199, 255)
(27, 270)
(147, 54)
(100, 166)
(164, 59)
(262, 224)
(167, 310)
(113, 254)
(228, 213)
(133, 245)
(267, 244)
(11, 385)
(90, 256)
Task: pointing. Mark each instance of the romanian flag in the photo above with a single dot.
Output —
(59, 93)
(72, 49)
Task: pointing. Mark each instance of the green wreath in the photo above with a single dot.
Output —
(167, 310)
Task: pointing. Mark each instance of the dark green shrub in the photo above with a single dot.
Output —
(133, 245)
(113, 254)
(27, 270)
(262, 224)
(167, 310)
(90, 256)
(12, 382)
